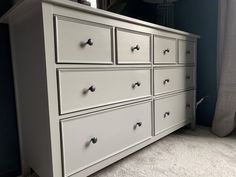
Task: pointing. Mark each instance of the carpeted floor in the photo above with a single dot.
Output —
(184, 153)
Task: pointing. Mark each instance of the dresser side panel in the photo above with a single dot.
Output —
(52, 87)
(27, 41)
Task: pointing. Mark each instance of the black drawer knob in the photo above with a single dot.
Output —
(166, 51)
(188, 52)
(137, 47)
(166, 114)
(92, 88)
(188, 105)
(89, 42)
(138, 84)
(94, 140)
(139, 124)
(188, 77)
(166, 81)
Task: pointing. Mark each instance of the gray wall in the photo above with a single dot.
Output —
(200, 17)
(9, 149)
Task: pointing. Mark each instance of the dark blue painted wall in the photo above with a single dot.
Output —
(150, 12)
(137, 9)
(9, 148)
(200, 17)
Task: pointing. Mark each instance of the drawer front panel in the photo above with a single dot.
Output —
(133, 47)
(88, 140)
(173, 79)
(83, 42)
(173, 110)
(186, 51)
(164, 50)
(85, 89)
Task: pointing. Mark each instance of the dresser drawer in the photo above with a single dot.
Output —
(90, 139)
(186, 51)
(173, 79)
(133, 47)
(83, 89)
(173, 110)
(83, 42)
(164, 50)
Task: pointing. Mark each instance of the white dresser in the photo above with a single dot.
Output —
(93, 87)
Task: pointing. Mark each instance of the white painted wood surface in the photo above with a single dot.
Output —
(173, 79)
(72, 38)
(110, 87)
(164, 50)
(186, 51)
(133, 47)
(115, 131)
(173, 110)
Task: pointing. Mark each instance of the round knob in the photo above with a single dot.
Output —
(166, 51)
(188, 52)
(188, 105)
(89, 42)
(137, 47)
(92, 88)
(136, 84)
(166, 114)
(166, 81)
(188, 77)
(139, 124)
(94, 140)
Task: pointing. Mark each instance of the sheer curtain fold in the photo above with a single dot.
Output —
(224, 119)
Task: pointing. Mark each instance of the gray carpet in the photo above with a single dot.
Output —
(184, 153)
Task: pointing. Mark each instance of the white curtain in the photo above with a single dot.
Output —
(224, 120)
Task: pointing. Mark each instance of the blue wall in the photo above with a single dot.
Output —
(9, 148)
(200, 17)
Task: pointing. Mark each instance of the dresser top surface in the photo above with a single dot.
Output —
(24, 4)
